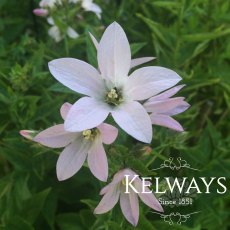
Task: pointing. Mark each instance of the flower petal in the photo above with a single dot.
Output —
(130, 207)
(120, 175)
(50, 21)
(163, 106)
(108, 133)
(148, 198)
(105, 189)
(94, 40)
(179, 109)
(138, 61)
(117, 178)
(90, 6)
(133, 119)
(86, 113)
(72, 158)
(55, 33)
(72, 33)
(148, 81)
(97, 161)
(55, 137)
(166, 121)
(65, 109)
(167, 94)
(77, 75)
(114, 55)
(108, 201)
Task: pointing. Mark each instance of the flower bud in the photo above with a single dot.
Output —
(40, 12)
(28, 134)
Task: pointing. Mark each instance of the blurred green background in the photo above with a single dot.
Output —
(191, 37)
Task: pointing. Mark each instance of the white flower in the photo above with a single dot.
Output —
(49, 3)
(88, 5)
(112, 91)
(55, 32)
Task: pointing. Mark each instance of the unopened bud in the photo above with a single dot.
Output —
(147, 150)
(28, 134)
(40, 12)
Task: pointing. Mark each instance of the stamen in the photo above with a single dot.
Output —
(90, 134)
(112, 94)
(114, 97)
(87, 134)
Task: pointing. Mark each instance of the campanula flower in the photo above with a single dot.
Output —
(116, 191)
(110, 90)
(77, 147)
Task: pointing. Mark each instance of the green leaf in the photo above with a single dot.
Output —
(19, 224)
(135, 47)
(34, 205)
(144, 224)
(114, 226)
(87, 218)
(219, 32)
(156, 29)
(90, 203)
(59, 88)
(69, 221)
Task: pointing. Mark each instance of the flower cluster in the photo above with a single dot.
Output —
(51, 9)
(135, 101)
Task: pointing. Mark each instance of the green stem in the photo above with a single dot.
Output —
(67, 23)
(66, 45)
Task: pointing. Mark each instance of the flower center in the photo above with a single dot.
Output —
(114, 97)
(90, 134)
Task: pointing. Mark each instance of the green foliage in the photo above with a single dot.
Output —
(188, 36)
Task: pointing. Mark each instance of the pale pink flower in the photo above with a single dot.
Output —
(78, 146)
(110, 90)
(41, 12)
(115, 191)
(162, 107)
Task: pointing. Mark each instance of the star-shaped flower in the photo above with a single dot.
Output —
(78, 146)
(128, 201)
(110, 90)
